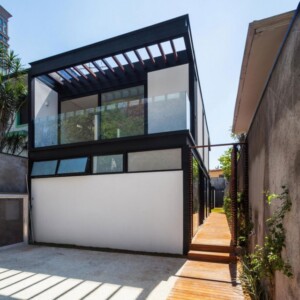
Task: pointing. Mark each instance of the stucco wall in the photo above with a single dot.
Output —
(274, 157)
(140, 211)
(13, 171)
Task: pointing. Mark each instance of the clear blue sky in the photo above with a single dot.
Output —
(41, 28)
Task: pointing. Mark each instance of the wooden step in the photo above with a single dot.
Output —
(212, 248)
(211, 256)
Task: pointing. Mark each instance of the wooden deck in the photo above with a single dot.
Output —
(215, 231)
(202, 279)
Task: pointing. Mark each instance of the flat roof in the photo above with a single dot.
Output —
(124, 58)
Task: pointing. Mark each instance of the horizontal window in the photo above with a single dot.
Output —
(154, 160)
(43, 168)
(108, 163)
(73, 165)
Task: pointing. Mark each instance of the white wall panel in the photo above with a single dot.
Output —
(45, 100)
(45, 112)
(167, 81)
(140, 211)
(200, 121)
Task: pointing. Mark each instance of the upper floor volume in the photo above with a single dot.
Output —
(137, 84)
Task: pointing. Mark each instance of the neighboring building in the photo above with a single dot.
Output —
(20, 124)
(111, 125)
(4, 17)
(218, 184)
(267, 110)
(21, 121)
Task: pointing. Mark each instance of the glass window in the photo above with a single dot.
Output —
(43, 168)
(154, 160)
(72, 165)
(5, 27)
(23, 114)
(122, 113)
(108, 163)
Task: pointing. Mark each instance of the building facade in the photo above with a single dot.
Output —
(4, 17)
(267, 110)
(110, 135)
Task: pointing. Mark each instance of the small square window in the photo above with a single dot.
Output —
(108, 164)
(73, 165)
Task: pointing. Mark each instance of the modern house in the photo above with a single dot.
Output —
(267, 110)
(110, 134)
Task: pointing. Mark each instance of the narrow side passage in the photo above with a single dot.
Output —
(211, 271)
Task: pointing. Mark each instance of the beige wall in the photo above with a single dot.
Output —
(274, 157)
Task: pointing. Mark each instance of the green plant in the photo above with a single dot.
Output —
(225, 163)
(13, 94)
(227, 208)
(260, 266)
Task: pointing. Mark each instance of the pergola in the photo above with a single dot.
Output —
(121, 60)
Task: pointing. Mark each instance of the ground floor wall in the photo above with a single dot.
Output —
(138, 211)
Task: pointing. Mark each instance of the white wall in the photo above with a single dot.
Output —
(169, 80)
(200, 120)
(172, 113)
(140, 211)
(45, 100)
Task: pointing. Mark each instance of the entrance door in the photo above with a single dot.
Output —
(11, 221)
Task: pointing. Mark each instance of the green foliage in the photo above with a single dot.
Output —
(126, 121)
(13, 92)
(227, 208)
(261, 265)
(15, 142)
(76, 129)
(225, 163)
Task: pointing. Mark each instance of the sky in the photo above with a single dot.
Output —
(39, 29)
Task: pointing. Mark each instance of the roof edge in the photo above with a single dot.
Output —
(254, 28)
(4, 12)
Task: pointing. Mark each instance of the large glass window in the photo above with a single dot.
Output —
(5, 27)
(154, 160)
(72, 165)
(108, 163)
(122, 113)
(44, 168)
(78, 120)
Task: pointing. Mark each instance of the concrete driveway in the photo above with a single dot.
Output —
(37, 272)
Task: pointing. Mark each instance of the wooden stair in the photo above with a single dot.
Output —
(209, 256)
(212, 248)
(210, 271)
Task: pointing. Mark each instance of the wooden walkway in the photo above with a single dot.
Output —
(204, 276)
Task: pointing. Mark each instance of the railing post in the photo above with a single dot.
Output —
(246, 185)
(233, 194)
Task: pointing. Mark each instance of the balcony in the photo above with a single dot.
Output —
(140, 117)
